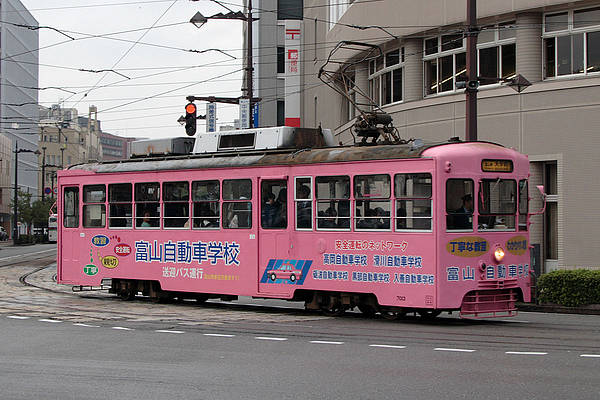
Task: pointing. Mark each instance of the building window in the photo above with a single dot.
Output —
(280, 112)
(497, 52)
(289, 9)
(280, 59)
(572, 43)
(445, 62)
(385, 77)
(337, 9)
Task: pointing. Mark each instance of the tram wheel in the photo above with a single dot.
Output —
(334, 311)
(367, 310)
(429, 314)
(127, 294)
(392, 315)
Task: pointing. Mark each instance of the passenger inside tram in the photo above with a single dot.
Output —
(464, 215)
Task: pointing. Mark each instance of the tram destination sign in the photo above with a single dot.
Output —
(497, 166)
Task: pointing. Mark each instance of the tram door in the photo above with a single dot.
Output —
(69, 231)
(273, 236)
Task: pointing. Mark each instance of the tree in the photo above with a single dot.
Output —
(40, 210)
(24, 210)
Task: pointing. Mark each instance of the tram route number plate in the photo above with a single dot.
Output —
(496, 165)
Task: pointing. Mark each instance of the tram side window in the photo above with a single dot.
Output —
(303, 201)
(497, 204)
(205, 198)
(273, 212)
(372, 201)
(333, 202)
(71, 207)
(237, 207)
(176, 204)
(413, 201)
(523, 204)
(120, 209)
(94, 209)
(459, 204)
(147, 205)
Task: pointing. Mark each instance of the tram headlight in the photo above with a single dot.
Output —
(499, 254)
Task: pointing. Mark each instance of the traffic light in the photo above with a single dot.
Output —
(190, 119)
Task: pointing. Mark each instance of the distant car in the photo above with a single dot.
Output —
(3, 234)
(286, 271)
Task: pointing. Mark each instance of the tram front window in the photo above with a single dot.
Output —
(459, 204)
(497, 204)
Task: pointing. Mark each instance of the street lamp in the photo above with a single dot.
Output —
(199, 20)
(17, 150)
(62, 156)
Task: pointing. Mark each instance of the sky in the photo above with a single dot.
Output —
(151, 71)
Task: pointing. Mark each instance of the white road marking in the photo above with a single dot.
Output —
(167, 331)
(387, 346)
(17, 317)
(590, 355)
(218, 335)
(455, 350)
(54, 321)
(276, 339)
(527, 353)
(122, 328)
(24, 255)
(86, 325)
(324, 342)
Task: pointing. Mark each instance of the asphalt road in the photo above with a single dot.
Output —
(55, 344)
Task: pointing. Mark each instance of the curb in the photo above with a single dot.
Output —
(593, 309)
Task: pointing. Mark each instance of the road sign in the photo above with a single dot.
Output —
(55, 190)
(47, 190)
(244, 113)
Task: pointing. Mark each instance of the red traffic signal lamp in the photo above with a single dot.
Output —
(190, 119)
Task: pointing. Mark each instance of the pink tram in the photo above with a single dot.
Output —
(389, 229)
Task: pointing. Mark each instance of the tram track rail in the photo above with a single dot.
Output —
(493, 334)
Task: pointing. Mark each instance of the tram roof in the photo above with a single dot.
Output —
(264, 158)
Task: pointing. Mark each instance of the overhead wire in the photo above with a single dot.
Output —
(128, 51)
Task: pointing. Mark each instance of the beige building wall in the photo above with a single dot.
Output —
(555, 120)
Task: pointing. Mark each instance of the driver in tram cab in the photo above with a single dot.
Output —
(464, 215)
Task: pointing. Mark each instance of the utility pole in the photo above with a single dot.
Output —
(472, 80)
(250, 67)
(43, 171)
(15, 220)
